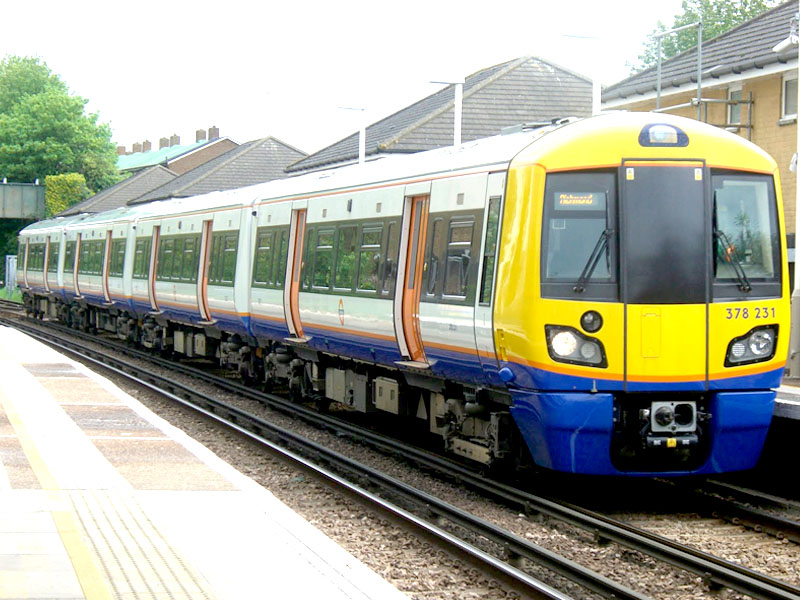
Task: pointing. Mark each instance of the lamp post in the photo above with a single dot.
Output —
(362, 133)
(793, 362)
(458, 102)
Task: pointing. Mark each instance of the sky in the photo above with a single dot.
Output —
(291, 69)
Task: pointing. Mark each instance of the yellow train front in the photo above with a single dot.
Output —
(642, 316)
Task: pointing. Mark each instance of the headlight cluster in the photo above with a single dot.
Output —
(757, 345)
(568, 345)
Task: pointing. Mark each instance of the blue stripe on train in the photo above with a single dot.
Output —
(376, 350)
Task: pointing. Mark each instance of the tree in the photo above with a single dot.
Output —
(44, 130)
(718, 16)
(62, 191)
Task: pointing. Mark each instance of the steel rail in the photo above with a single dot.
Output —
(278, 439)
(714, 570)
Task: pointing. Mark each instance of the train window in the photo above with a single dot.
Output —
(141, 258)
(263, 260)
(459, 249)
(490, 250)
(69, 257)
(308, 259)
(390, 262)
(279, 272)
(746, 238)
(222, 262)
(433, 267)
(166, 252)
(323, 259)
(117, 263)
(91, 257)
(578, 235)
(52, 258)
(369, 258)
(346, 258)
(36, 257)
(190, 259)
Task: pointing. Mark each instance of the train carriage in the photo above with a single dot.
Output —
(602, 296)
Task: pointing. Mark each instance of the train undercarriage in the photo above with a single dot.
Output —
(471, 422)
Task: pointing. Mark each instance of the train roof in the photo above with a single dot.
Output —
(494, 153)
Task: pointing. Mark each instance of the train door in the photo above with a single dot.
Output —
(45, 264)
(151, 283)
(665, 231)
(291, 289)
(202, 275)
(77, 264)
(25, 263)
(106, 265)
(412, 248)
(484, 301)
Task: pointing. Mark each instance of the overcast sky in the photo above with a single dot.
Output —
(253, 69)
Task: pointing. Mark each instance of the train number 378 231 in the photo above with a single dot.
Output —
(750, 313)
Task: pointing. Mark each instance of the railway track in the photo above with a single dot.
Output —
(716, 572)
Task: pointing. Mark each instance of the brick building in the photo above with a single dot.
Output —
(746, 87)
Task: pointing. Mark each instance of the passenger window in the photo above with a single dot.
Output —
(117, 264)
(323, 259)
(141, 258)
(222, 269)
(346, 259)
(459, 247)
(52, 259)
(165, 259)
(390, 263)
(262, 264)
(433, 258)
(69, 257)
(279, 272)
(490, 250)
(369, 259)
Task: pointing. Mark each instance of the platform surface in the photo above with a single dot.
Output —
(103, 499)
(787, 404)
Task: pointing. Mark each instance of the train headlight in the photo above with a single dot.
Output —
(756, 345)
(564, 343)
(568, 345)
(761, 343)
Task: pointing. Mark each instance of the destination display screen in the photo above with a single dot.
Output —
(580, 200)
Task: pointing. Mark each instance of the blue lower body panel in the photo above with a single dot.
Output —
(572, 432)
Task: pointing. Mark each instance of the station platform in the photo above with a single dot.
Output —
(103, 499)
(787, 404)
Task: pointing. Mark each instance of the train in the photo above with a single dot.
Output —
(602, 296)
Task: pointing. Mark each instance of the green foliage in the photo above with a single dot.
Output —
(8, 240)
(718, 16)
(44, 130)
(62, 191)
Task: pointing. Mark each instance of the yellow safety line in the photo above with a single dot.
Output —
(83, 561)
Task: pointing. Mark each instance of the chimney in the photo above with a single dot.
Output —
(174, 140)
(163, 143)
(137, 147)
(146, 146)
(213, 133)
(200, 135)
(121, 151)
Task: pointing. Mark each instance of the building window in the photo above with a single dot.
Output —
(734, 110)
(789, 102)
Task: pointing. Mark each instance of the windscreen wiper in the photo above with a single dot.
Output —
(591, 262)
(729, 256)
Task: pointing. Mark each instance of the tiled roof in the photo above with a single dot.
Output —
(120, 194)
(254, 162)
(140, 160)
(748, 46)
(527, 89)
